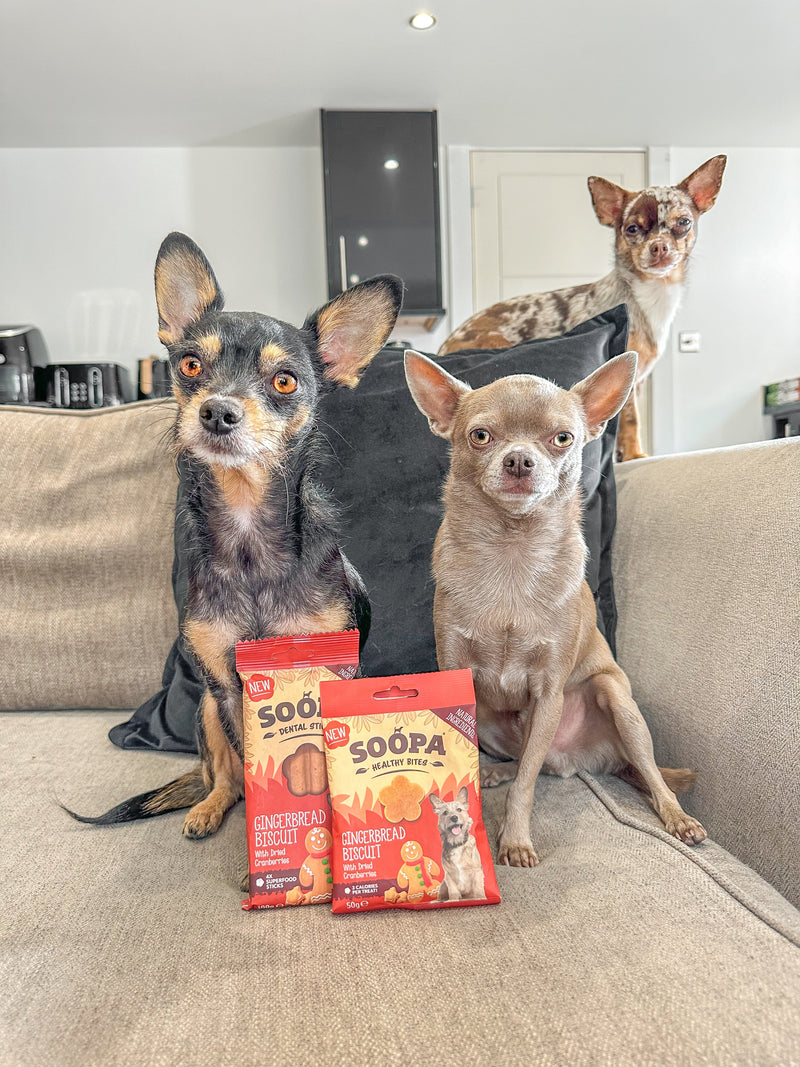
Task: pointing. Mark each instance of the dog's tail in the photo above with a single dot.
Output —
(679, 779)
(183, 792)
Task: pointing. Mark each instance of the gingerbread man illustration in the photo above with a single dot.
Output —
(418, 875)
(316, 880)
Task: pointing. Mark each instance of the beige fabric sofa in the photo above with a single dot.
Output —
(127, 945)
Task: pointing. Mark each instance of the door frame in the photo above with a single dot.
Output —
(460, 273)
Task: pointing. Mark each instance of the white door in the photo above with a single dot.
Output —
(534, 227)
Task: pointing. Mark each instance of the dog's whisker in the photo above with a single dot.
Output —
(330, 426)
(332, 451)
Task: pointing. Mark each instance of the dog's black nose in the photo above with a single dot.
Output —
(519, 463)
(221, 414)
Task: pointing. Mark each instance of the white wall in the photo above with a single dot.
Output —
(743, 297)
(83, 219)
(258, 214)
(88, 219)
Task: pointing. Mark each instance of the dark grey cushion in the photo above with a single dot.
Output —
(386, 469)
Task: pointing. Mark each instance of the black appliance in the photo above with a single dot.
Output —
(382, 203)
(22, 350)
(83, 385)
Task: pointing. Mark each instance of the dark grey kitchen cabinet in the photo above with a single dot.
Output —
(381, 173)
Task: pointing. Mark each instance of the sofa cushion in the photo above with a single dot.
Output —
(126, 945)
(86, 546)
(386, 468)
(707, 573)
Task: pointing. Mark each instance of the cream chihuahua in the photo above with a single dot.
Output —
(511, 602)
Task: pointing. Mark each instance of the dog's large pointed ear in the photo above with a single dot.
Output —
(436, 393)
(185, 287)
(354, 327)
(704, 184)
(437, 803)
(604, 392)
(609, 200)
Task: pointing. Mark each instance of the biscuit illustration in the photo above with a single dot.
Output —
(401, 799)
(305, 771)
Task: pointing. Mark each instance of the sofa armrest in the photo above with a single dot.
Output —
(706, 575)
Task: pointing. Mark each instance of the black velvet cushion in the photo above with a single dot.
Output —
(386, 469)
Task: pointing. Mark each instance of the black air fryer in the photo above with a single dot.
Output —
(83, 385)
(22, 350)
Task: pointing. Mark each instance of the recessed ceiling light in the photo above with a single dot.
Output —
(391, 164)
(423, 20)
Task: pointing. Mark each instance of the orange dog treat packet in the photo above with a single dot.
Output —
(287, 805)
(402, 757)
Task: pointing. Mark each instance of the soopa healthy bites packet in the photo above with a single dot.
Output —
(402, 757)
(287, 803)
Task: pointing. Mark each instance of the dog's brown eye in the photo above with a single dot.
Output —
(563, 439)
(190, 366)
(480, 437)
(632, 229)
(284, 383)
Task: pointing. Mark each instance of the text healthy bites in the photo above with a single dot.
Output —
(285, 779)
(402, 757)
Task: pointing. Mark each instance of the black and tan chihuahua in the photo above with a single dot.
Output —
(262, 535)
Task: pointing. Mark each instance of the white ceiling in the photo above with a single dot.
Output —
(719, 73)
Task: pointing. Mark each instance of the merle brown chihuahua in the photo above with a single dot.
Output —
(655, 231)
(263, 558)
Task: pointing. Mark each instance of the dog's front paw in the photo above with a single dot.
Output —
(514, 854)
(686, 829)
(202, 820)
(496, 773)
(622, 455)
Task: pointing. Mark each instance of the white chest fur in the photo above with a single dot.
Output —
(658, 301)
